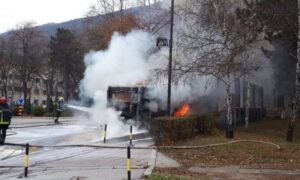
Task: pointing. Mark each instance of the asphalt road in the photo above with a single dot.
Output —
(68, 163)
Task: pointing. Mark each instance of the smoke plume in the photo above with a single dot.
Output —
(131, 60)
(124, 63)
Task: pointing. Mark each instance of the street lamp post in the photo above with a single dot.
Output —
(170, 58)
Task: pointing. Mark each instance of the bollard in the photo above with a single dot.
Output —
(105, 128)
(26, 160)
(130, 136)
(128, 163)
(20, 110)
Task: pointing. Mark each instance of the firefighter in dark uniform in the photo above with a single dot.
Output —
(5, 118)
(59, 109)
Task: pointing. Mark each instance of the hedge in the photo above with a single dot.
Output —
(38, 111)
(65, 113)
(205, 123)
(27, 108)
(165, 130)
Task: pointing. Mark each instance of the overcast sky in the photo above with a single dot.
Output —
(13, 12)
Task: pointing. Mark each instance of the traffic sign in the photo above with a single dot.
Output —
(20, 102)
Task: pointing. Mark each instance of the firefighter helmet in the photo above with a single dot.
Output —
(60, 98)
(3, 100)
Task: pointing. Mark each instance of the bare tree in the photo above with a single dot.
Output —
(28, 43)
(98, 14)
(295, 102)
(6, 65)
(50, 76)
(247, 106)
(153, 18)
(108, 7)
(103, 20)
(215, 42)
(279, 22)
(102, 7)
(106, 17)
(146, 2)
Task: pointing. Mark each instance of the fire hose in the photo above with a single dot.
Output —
(218, 144)
(11, 133)
(38, 125)
(151, 147)
(27, 146)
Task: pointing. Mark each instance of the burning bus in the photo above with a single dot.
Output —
(131, 102)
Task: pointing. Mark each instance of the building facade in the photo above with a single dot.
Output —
(37, 90)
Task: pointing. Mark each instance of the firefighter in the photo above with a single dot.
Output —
(5, 118)
(59, 106)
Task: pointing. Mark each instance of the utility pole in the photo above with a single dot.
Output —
(170, 57)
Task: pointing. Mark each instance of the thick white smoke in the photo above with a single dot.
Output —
(181, 92)
(124, 63)
(129, 60)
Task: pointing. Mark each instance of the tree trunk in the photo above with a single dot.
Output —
(229, 129)
(66, 86)
(25, 90)
(5, 86)
(295, 102)
(12, 89)
(247, 105)
(121, 6)
(66, 79)
(291, 127)
(48, 95)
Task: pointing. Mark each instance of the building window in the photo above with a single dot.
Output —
(44, 92)
(44, 102)
(36, 91)
(19, 89)
(36, 102)
(37, 80)
(18, 77)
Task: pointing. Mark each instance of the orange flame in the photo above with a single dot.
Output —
(183, 110)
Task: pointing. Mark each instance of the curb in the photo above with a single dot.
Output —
(151, 163)
(126, 137)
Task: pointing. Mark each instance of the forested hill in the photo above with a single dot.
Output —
(76, 25)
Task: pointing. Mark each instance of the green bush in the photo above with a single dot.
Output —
(170, 129)
(27, 107)
(166, 130)
(205, 123)
(38, 111)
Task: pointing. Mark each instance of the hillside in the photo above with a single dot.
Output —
(77, 24)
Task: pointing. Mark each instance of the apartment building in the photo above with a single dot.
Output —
(37, 90)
